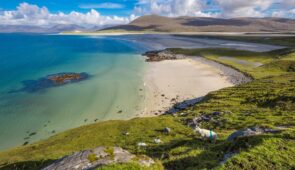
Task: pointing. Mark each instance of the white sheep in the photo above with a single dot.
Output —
(141, 144)
(157, 141)
(206, 134)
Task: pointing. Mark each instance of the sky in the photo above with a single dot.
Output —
(91, 13)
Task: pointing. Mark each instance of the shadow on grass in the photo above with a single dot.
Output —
(27, 165)
(210, 154)
(183, 105)
(192, 153)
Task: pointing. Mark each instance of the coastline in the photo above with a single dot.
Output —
(254, 34)
(172, 85)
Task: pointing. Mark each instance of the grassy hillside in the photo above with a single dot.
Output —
(268, 101)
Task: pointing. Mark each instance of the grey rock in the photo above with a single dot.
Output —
(205, 118)
(227, 156)
(251, 132)
(166, 130)
(192, 122)
(91, 159)
(216, 113)
(155, 56)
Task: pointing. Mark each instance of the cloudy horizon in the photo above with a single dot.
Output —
(90, 13)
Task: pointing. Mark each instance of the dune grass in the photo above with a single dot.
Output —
(267, 101)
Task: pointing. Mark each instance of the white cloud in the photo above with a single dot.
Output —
(102, 6)
(27, 14)
(218, 8)
(244, 8)
(171, 8)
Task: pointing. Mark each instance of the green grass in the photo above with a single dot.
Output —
(275, 63)
(92, 157)
(131, 166)
(267, 101)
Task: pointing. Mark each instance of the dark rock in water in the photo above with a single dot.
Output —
(53, 131)
(24, 144)
(98, 157)
(32, 134)
(120, 111)
(52, 80)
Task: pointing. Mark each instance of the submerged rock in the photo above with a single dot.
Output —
(52, 80)
(98, 157)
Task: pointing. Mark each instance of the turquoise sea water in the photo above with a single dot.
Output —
(115, 66)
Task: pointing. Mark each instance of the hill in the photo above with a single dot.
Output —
(156, 23)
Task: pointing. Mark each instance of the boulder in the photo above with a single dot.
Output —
(91, 159)
(166, 130)
(252, 131)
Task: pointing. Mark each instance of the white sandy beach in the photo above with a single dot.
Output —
(171, 81)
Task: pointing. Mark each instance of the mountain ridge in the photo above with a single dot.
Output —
(157, 23)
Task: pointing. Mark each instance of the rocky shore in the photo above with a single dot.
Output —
(155, 56)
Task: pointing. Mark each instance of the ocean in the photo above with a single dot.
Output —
(113, 90)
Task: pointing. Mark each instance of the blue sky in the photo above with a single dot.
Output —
(75, 5)
(113, 12)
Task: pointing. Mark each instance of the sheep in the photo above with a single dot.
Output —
(141, 144)
(206, 134)
(157, 141)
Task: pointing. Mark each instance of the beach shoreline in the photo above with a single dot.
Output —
(254, 34)
(183, 82)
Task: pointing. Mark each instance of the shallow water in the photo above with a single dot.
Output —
(115, 67)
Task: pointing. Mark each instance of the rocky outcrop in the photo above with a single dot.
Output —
(155, 56)
(252, 131)
(91, 159)
(52, 80)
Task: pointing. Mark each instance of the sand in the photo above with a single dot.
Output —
(172, 81)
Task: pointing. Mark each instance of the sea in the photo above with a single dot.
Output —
(113, 90)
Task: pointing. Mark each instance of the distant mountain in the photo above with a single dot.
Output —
(37, 29)
(204, 24)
